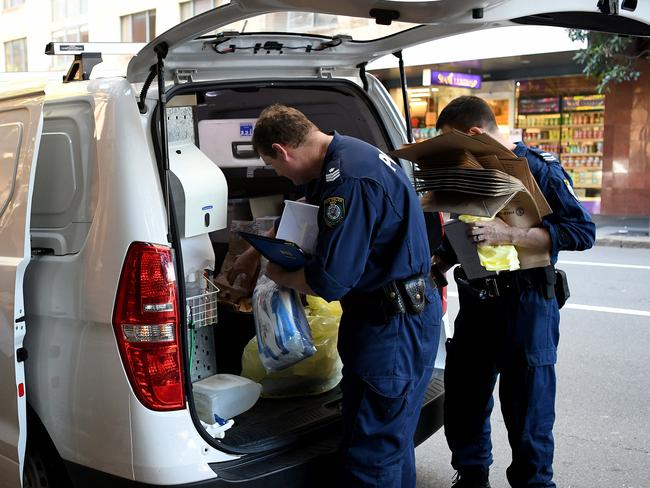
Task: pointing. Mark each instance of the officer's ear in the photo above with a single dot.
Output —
(280, 151)
(473, 131)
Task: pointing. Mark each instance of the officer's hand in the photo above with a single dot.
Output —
(491, 233)
(276, 273)
(247, 264)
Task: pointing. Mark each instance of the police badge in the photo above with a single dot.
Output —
(333, 211)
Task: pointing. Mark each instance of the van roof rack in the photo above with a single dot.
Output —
(89, 54)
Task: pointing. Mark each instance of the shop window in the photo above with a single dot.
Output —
(569, 125)
(500, 109)
(196, 7)
(16, 55)
(139, 27)
(65, 9)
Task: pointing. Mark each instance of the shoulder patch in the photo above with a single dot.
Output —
(333, 211)
(332, 174)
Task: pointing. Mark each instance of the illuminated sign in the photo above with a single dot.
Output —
(461, 80)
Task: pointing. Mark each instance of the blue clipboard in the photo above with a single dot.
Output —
(283, 253)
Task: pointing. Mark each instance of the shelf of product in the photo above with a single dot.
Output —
(572, 128)
(587, 179)
(423, 133)
(540, 105)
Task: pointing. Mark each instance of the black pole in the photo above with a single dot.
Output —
(161, 52)
(407, 110)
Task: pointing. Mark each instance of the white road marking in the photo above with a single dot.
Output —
(590, 308)
(593, 308)
(606, 265)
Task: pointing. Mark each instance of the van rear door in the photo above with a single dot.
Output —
(258, 38)
(21, 123)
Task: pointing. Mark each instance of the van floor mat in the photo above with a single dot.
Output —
(275, 423)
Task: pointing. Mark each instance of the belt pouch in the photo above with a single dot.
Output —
(562, 292)
(413, 291)
(548, 284)
(393, 301)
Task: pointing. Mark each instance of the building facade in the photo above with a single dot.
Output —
(26, 26)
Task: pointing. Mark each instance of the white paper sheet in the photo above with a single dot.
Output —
(299, 224)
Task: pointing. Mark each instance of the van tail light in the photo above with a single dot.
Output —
(147, 328)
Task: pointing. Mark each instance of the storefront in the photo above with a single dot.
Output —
(561, 115)
(565, 117)
(438, 88)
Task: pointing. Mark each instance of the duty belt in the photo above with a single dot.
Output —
(395, 297)
(506, 282)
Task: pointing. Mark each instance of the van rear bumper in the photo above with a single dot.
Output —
(313, 462)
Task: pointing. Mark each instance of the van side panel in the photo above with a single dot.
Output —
(78, 386)
(65, 190)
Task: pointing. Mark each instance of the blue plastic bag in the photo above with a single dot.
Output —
(283, 333)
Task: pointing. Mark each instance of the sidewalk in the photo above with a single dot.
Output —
(622, 231)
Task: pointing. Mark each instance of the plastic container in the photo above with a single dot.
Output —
(224, 396)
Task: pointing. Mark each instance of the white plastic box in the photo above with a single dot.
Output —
(228, 142)
(224, 395)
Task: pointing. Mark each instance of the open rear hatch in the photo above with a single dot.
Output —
(264, 40)
(250, 36)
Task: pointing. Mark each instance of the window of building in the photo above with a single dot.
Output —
(16, 55)
(78, 33)
(64, 9)
(303, 21)
(12, 3)
(196, 7)
(360, 28)
(139, 27)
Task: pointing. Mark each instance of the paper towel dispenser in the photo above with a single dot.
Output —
(199, 188)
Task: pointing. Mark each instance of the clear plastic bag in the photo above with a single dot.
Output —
(316, 374)
(283, 334)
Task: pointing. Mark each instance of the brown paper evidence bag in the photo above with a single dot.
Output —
(476, 175)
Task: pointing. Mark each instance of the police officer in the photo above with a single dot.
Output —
(370, 254)
(508, 325)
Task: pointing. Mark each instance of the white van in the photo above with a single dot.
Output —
(95, 201)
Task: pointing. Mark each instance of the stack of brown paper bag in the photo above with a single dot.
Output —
(476, 175)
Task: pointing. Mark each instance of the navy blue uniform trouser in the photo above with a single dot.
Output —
(514, 335)
(386, 372)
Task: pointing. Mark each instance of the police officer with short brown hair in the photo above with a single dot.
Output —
(509, 326)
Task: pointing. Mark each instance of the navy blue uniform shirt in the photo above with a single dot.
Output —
(570, 225)
(371, 224)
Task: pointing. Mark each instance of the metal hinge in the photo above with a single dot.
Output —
(184, 76)
(326, 72)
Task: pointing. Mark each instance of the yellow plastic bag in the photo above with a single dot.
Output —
(503, 257)
(316, 374)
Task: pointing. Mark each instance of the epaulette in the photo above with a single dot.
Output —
(333, 170)
(545, 156)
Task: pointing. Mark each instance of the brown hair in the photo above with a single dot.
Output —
(465, 112)
(279, 124)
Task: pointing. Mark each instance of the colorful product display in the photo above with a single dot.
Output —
(574, 133)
